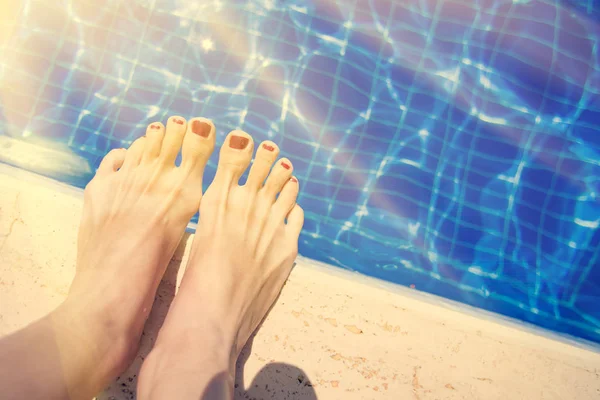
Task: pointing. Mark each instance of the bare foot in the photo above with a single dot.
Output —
(245, 245)
(135, 212)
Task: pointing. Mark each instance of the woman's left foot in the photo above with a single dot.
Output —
(135, 212)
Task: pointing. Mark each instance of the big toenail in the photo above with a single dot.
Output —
(178, 121)
(238, 142)
(285, 165)
(268, 147)
(201, 128)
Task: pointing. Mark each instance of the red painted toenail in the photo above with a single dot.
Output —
(154, 126)
(238, 142)
(178, 121)
(294, 179)
(201, 128)
(268, 147)
(286, 165)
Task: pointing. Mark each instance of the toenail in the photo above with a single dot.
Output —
(201, 128)
(294, 179)
(268, 147)
(238, 142)
(154, 126)
(178, 121)
(286, 165)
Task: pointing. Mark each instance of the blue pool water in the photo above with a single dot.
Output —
(450, 145)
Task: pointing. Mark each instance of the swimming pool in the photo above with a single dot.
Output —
(449, 145)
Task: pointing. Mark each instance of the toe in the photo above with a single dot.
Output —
(287, 199)
(198, 145)
(112, 161)
(234, 158)
(295, 220)
(154, 135)
(280, 174)
(265, 157)
(134, 153)
(176, 127)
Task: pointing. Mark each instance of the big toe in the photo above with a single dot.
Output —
(198, 145)
(234, 157)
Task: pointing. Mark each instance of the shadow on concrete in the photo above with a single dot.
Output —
(274, 381)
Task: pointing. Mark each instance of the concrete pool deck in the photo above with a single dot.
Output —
(332, 334)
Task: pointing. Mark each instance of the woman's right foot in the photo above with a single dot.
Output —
(245, 246)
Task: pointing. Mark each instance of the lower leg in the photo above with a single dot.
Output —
(69, 354)
(192, 360)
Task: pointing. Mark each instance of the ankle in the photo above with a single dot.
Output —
(187, 362)
(203, 337)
